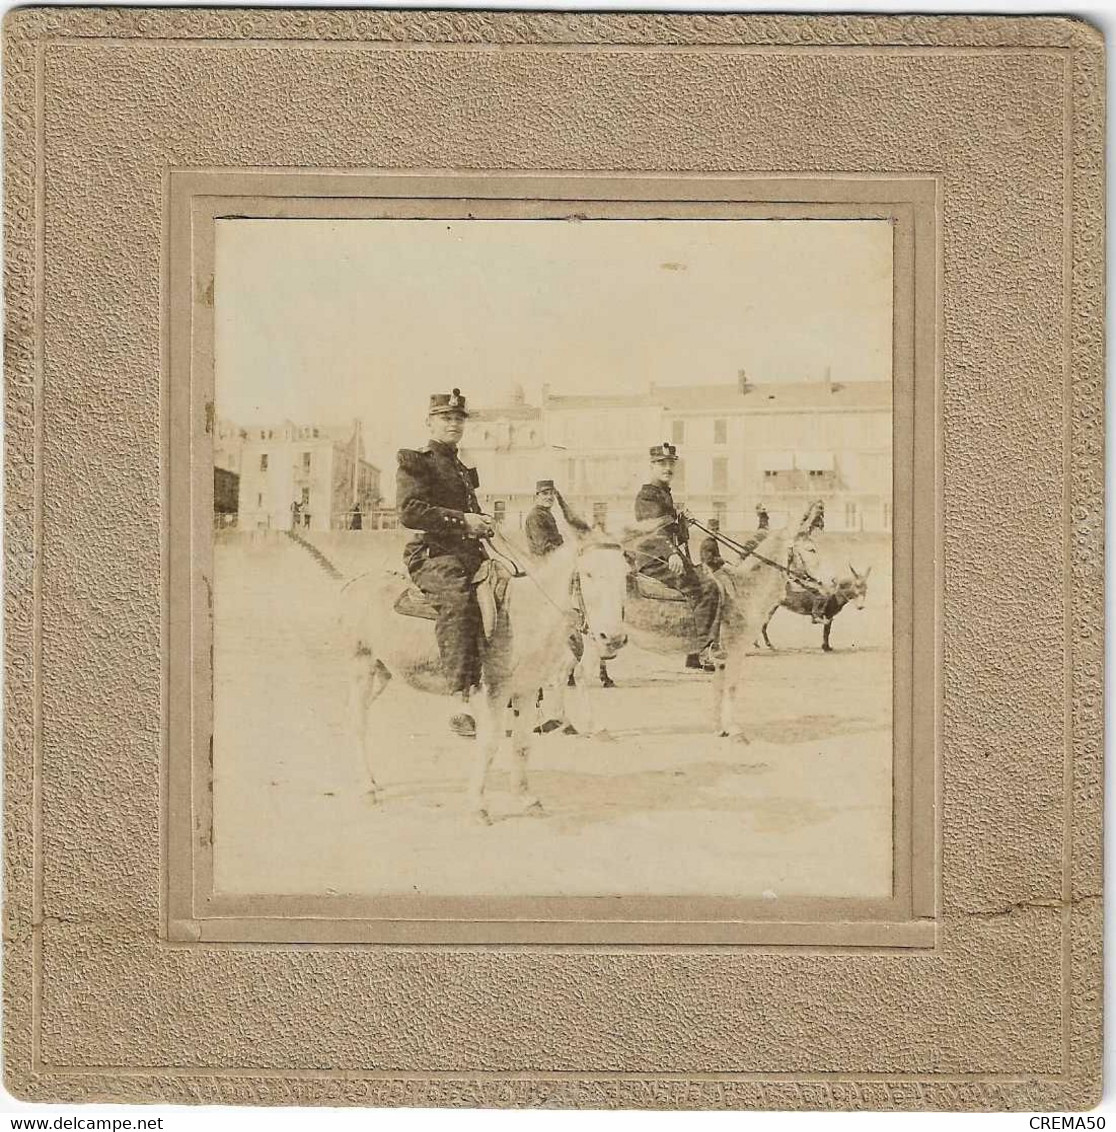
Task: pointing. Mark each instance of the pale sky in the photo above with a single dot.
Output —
(321, 321)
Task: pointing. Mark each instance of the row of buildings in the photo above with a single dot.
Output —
(280, 476)
(741, 445)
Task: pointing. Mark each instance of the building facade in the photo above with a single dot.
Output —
(741, 446)
(305, 475)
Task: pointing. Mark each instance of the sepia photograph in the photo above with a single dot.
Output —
(553, 557)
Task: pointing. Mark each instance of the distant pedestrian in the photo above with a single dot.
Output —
(356, 520)
(761, 517)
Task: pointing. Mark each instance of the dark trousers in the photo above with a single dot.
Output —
(448, 583)
(701, 591)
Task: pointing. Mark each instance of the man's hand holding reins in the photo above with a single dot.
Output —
(479, 526)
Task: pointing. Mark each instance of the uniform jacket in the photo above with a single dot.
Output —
(434, 491)
(655, 501)
(711, 553)
(542, 531)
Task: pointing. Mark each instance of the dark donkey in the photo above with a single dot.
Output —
(825, 606)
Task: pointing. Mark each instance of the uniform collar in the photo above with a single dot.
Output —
(441, 448)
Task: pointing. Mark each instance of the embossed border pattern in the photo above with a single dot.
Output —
(78, 901)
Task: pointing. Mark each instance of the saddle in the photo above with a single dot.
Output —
(490, 583)
(651, 589)
(412, 602)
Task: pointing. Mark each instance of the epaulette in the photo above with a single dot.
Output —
(412, 460)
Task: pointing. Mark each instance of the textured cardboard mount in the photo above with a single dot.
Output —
(111, 994)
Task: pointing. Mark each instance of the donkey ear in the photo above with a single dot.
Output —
(867, 572)
(852, 570)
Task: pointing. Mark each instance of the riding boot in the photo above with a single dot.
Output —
(461, 722)
(606, 680)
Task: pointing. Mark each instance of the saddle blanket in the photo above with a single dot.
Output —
(412, 602)
(490, 583)
(654, 590)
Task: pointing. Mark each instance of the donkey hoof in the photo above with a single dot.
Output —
(481, 817)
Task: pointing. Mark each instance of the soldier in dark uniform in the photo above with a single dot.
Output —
(541, 527)
(711, 557)
(436, 494)
(543, 536)
(762, 519)
(665, 554)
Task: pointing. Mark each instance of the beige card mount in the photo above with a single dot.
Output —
(848, 261)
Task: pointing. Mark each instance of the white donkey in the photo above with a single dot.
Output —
(581, 583)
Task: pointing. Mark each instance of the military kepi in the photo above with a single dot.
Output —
(447, 403)
(664, 451)
(544, 485)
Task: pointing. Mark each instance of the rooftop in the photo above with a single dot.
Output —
(715, 398)
(514, 412)
(775, 395)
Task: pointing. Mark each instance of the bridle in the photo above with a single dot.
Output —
(803, 580)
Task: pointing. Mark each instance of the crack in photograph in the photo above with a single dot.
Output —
(553, 558)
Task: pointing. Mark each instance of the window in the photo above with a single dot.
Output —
(678, 432)
(679, 474)
(499, 510)
(305, 497)
(600, 515)
(850, 516)
(720, 432)
(315, 434)
(816, 474)
(720, 473)
(259, 499)
(263, 462)
(306, 461)
(720, 512)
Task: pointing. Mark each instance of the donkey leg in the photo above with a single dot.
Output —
(521, 743)
(562, 691)
(767, 621)
(367, 682)
(828, 624)
(490, 726)
(719, 697)
(730, 705)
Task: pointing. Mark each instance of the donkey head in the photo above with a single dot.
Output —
(601, 580)
(856, 586)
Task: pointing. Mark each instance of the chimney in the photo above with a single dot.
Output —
(742, 383)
